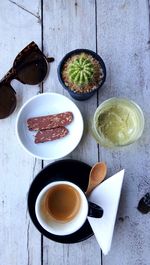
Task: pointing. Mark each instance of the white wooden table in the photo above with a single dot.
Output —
(119, 31)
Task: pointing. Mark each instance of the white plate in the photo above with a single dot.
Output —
(45, 104)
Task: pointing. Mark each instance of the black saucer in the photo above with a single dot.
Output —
(70, 170)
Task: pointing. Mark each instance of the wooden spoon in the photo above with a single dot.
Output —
(97, 175)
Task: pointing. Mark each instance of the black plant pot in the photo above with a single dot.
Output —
(75, 95)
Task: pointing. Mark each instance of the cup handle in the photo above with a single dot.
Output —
(95, 210)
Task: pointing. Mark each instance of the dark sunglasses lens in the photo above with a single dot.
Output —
(7, 101)
(32, 69)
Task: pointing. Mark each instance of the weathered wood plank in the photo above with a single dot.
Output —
(20, 243)
(70, 25)
(123, 42)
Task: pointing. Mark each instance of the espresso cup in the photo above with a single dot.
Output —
(62, 208)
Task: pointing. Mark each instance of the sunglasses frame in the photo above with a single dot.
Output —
(12, 73)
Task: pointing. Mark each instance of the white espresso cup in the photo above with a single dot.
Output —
(62, 208)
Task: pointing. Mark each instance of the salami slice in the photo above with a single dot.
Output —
(50, 134)
(49, 121)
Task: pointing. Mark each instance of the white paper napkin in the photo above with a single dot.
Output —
(106, 195)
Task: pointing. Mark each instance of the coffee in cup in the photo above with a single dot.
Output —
(62, 208)
(61, 203)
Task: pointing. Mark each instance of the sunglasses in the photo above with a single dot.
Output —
(29, 67)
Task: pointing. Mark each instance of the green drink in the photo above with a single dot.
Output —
(117, 122)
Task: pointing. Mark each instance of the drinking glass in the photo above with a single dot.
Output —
(117, 122)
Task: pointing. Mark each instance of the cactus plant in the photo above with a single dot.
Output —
(80, 71)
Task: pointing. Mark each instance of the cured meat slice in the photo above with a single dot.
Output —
(50, 134)
(49, 121)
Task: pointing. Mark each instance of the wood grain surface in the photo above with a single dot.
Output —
(119, 31)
